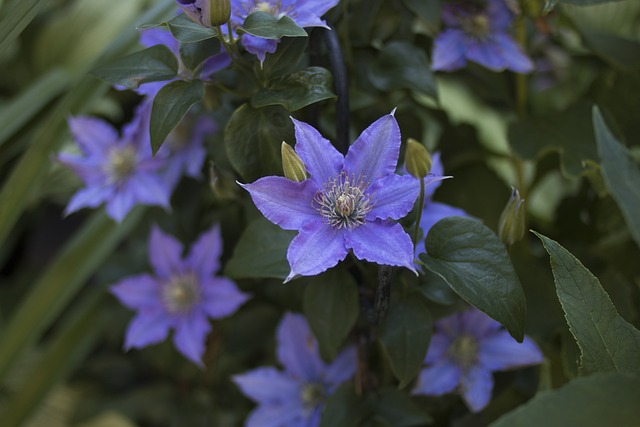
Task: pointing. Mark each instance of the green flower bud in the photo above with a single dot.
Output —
(417, 159)
(208, 13)
(221, 183)
(294, 168)
(511, 226)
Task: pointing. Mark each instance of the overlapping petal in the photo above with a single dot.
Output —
(438, 379)
(501, 352)
(93, 135)
(382, 242)
(137, 292)
(449, 50)
(89, 197)
(298, 348)
(476, 386)
(316, 248)
(487, 53)
(149, 326)
(165, 253)
(515, 59)
(321, 159)
(394, 196)
(221, 297)
(285, 413)
(120, 205)
(342, 368)
(268, 385)
(204, 255)
(190, 334)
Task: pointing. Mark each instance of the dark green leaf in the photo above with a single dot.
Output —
(344, 408)
(331, 307)
(550, 4)
(193, 54)
(621, 174)
(403, 66)
(618, 51)
(286, 58)
(474, 262)
(564, 132)
(261, 252)
(427, 11)
(154, 64)
(170, 105)
(253, 138)
(607, 342)
(399, 410)
(185, 30)
(267, 26)
(405, 335)
(297, 90)
(594, 401)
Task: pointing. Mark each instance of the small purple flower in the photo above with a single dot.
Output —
(117, 170)
(347, 202)
(182, 295)
(296, 396)
(465, 350)
(478, 32)
(305, 13)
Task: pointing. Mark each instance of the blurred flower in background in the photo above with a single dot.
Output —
(296, 396)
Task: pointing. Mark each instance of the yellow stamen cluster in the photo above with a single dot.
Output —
(343, 202)
(181, 293)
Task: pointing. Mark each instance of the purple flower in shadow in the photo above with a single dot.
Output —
(117, 170)
(305, 13)
(465, 349)
(478, 34)
(346, 204)
(296, 396)
(181, 295)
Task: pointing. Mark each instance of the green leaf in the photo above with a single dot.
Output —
(261, 252)
(331, 306)
(399, 410)
(404, 335)
(267, 26)
(403, 66)
(297, 90)
(621, 174)
(170, 105)
(185, 30)
(194, 54)
(607, 342)
(154, 64)
(15, 17)
(344, 408)
(563, 132)
(253, 138)
(474, 262)
(285, 59)
(594, 401)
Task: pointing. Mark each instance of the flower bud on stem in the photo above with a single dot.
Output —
(511, 225)
(292, 164)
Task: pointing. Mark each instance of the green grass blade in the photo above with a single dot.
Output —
(15, 17)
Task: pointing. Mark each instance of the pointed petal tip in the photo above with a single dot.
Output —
(393, 112)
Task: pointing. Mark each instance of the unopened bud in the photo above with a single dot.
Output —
(417, 159)
(208, 13)
(221, 183)
(511, 225)
(294, 168)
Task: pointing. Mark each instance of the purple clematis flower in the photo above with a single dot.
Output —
(305, 13)
(296, 396)
(117, 170)
(182, 295)
(465, 350)
(478, 31)
(347, 202)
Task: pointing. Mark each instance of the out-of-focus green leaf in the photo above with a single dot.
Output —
(618, 51)
(253, 138)
(193, 54)
(621, 174)
(61, 281)
(286, 58)
(170, 105)
(267, 26)
(607, 342)
(404, 334)
(399, 410)
(154, 64)
(67, 349)
(27, 104)
(14, 18)
(475, 263)
(564, 132)
(402, 65)
(428, 11)
(297, 90)
(594, 401)
(331, 307)
(261, 252)
(344, 408)
(185, 30)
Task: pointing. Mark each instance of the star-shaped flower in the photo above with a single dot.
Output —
(347, 203)
(478, 32)
(117, 170)
(465, 350)
(296, 396)
(182, 295)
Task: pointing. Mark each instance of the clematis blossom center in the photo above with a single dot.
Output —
(343, 202)
(312, 395)
(464, 351)
(181, 293)
(477, 26)
(270, 7)
(121, 162)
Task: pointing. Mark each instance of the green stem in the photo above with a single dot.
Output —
(419, 214)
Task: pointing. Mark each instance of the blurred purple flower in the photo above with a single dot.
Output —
(296, 396)
(117, 170)
(478, 32)
(345, 204)
(305, 13)
(465, 350)
(182, 295)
